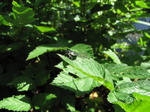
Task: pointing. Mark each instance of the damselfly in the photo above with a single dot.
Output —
(74, 53)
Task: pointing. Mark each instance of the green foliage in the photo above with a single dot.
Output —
(16, 103)
(43, 49)
(122, 70)
(74, 56)
(44, 29)
(124, 91)
(90, 69)
(113, 56)
(141, 100)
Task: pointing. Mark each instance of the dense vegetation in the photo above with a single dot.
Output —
(74, 56)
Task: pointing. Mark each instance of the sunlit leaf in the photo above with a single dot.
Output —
(77, 85)
(76, 3)
(147, 34)
(141, 104)
(16, 103)
(91, 69)
(122, 70)
(44, 28)
(113, 56)
(124, 91)
(142, 4)
(82, 50)
(39, 50)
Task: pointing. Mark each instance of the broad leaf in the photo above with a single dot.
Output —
(90, 69)
(77, 85)
(70, 69)
(123, 70)
(16, 103)
(43, 49)
(124, 91)
(141, 104)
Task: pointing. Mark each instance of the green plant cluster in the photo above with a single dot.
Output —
(74, 56)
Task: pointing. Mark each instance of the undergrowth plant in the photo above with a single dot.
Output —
(74, 56)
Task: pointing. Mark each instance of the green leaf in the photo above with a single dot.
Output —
(146, 34)
(44, 29)
(113, 56)
(77, 85)
(76, 3)
(39, 50)
(16, 103)
(90, 69)
(142, 4)
(70, 69)
(23, 83)
(115, 96)
(22, 15)
(141, 104)
(122, 70)
(82, 50)
(124, 91)
(43, 100)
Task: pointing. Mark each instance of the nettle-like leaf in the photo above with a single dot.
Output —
(16, 103)
(23, 83)
(82, 50)
(22, 15)
(88, 67)
(77, 85)
(124, 91)
(43, 100)
(140, 104)
(89, 74)
(39, 50)
(122, 70)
